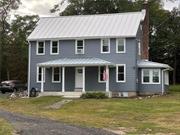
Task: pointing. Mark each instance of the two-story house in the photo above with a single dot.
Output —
(69, 55)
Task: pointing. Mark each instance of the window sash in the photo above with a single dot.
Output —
(56, 74)
(120, 45)
(105, 45)
(40, 48)
(79, 47)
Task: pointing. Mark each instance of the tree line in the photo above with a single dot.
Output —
(164, 32)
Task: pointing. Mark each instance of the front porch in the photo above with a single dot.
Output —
(76, 75)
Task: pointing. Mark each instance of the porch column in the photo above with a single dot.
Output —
(107, 78)
(83, 90)
(63, 79)
(42, 78)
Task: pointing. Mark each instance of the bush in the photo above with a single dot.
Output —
(95, 95)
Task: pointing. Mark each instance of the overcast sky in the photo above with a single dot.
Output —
(42, 7)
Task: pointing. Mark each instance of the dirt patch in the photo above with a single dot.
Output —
(58, 105)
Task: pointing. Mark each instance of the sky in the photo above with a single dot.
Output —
(42, 7)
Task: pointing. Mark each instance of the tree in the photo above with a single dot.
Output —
(5, 7)
(17, 50)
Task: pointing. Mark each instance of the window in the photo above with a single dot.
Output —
(139, 47)
(40, 50)
(120, 73)
(120, 45)
(54, 47)
(166, 76)
(39, 74)
(105, 45)
(56, 74)
(150, 76)
(79, 47)
(101, 74)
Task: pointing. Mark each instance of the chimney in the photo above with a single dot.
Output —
(145, 29)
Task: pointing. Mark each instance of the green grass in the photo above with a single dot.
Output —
(5, 127)
(154, 115)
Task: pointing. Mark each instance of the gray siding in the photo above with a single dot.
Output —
(92, 49)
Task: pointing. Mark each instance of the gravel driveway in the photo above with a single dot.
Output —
(26, 125)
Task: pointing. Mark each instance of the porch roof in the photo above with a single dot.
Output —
(75, 62)
(150, 64)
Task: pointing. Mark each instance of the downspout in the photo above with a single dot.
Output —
(29, 67)
(163, 80)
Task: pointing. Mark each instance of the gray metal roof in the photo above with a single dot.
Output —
(150, 64)
(88, 26)
(75, 62)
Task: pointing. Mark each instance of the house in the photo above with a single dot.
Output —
(70, 55)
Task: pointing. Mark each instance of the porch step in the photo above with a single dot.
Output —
(64, 94)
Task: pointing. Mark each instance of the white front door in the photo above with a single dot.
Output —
(79, 78)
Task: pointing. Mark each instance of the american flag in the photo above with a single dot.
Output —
(105, 75)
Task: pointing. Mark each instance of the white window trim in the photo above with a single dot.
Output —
(99, 75)
(37, 47)
(52, 46)
(124, 39)
(53, 75)
(117, 65)
(37, 75)
(108, 45)
(76, 46)
(151, 77)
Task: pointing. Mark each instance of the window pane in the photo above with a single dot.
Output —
(80, 43)
(102, 73)
(39, 77)
(39, 74)
(146, 79)
(121, 77)
(55, 47)
(56, 70)
(56, 77)
(55, 43)
(105, 48)
(121, 69)
(155, 76)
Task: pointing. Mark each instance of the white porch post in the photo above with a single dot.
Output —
(107, 78)
(83, 90)
(63, 79)
(42, 79)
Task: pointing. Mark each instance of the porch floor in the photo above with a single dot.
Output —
(64, 94)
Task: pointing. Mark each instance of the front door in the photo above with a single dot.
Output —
(79, 78)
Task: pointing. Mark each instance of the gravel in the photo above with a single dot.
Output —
(26, 125)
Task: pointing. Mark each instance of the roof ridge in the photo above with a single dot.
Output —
(110, 14)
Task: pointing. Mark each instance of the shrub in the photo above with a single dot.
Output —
(95, 95)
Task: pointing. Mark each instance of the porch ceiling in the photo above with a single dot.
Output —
(75, 62)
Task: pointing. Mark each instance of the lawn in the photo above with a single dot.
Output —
(5, 127)
(152, 115)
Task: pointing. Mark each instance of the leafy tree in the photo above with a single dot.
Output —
(5, 7)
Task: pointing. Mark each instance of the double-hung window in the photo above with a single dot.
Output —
(120, 73)
(120, 45)
(40, 49)
(101, 74)
(150, 76)
(105, 45)
(79, 47)
(54, 48)
(39, 74)
(56, 74)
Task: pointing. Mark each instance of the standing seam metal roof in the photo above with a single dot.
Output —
(88, 26)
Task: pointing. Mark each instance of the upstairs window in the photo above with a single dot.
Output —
(139, 47)
(105, 45)
(54, 47)
(56, 74)
(150, 76)
(40, 50)
(101, 74)
(79, 47)
(120, 45)
(39, 74)
(120, 73)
